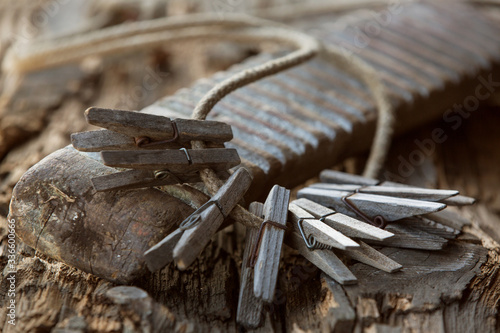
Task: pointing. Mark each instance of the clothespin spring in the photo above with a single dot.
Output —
(311, 242)
(378, 221)
(255, 250)
(145, 141)
(195, 218)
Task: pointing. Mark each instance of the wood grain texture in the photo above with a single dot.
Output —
(268, 259)
(369, 256)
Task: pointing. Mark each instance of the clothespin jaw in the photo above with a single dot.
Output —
(139, 141)
(194, 233)
(316, 233)
(267, 250)
(318, 236)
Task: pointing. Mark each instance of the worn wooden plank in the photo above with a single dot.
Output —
(267, 264)
(325, 260)
(371, 205)
(319, 230)
(175, 160)
(369, 256)
(194, 240)
(415, 193)
(250, 307)
(345, 224)
(137, 124)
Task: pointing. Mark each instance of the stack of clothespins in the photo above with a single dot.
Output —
(344, 216)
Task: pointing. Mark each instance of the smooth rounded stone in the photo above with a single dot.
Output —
(58, 212)
(126, 294)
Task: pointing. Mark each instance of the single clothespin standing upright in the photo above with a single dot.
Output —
(250, 307)
(267, 251)
(188, 241)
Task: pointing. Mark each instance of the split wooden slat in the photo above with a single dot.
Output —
(325, 260)
(139, 124)
(175, 160)
(369, 256)
(194, 239)
(393, 191)
(162, 253)
(131, 179)
(319, 230)
(267, 264)
(249, 312)
(347, 225)
(371, 205)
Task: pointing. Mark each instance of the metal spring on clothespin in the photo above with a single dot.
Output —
(310, 241)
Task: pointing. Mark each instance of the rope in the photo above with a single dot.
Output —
(244, 29)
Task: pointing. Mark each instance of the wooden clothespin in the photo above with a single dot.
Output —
(204, 222)
(249, 313)
(194, 233)
(318, 254)
(374, 209)
(317, 231)
(361, 252)
(267, 250)
(139, 141)
(415, 193)
(128, 130)
(337, 177)
(347, 225)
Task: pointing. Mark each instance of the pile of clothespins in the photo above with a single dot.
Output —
(344, 216)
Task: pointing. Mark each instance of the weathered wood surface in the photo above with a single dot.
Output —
(94, 240)
(58, 297)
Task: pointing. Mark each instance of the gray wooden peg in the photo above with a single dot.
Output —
(158, 128)
(415, 193)
(372, 206)
(337, 177)
(321, 232)
(177, 161)
(347, 225)
(206, 220)
(250, 307)
(270, 243)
